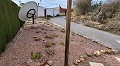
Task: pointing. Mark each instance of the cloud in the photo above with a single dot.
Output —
(46, 3)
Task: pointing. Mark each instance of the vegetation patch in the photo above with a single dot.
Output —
(9, 22)
(103, 16)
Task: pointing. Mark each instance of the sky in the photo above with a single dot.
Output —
(51, 3)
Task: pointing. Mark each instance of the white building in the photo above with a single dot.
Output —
(52, 12)
(49, 11)
(41, 11)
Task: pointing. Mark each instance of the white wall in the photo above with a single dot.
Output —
(52, 11)
(40, 11)
(49, 11)
(56, 12)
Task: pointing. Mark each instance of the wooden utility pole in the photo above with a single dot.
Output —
(68, 20)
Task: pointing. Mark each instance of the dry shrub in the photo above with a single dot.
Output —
(82, 6)
(113, 27)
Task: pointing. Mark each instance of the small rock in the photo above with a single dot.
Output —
(36, 60)
(84, 56)
(82, 59)
(89, 54)
(81, 40)
(50, 63)
(29, 61)
(78, 34)
(56, 28)
(48, 24)
(37, 39)
(95, 41)
(54, 35)
(117, 59)
(34, 36)
(109, 51)
(95, 64)
(109, 47)
(78, 61)
(50, 51)
(81, 56)
(48, 44)
(53, 43)
(102, 51)
(49, 36)
(63, 30)
(38, 31)
(115, 51)
(62, 44)
(16, 57)
(97, 53)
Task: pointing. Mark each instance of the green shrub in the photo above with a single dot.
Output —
(9, 22)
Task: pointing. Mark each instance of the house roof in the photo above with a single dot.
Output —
(63, 10)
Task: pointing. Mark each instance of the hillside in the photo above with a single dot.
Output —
(103, 16)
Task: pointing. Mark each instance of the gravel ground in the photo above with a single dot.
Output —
(18, 51)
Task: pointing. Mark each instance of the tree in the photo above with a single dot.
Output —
(82, 6)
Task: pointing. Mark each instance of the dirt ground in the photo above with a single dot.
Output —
(18, 51)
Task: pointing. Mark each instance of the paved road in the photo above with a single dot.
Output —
(105, 38)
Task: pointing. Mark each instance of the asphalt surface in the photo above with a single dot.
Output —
(105, 38)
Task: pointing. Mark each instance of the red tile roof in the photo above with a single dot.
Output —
(63, 10)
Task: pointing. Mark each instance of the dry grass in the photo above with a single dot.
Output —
(112, 26)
